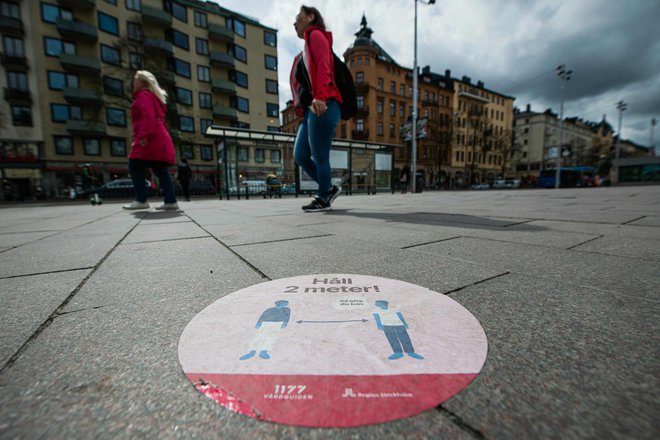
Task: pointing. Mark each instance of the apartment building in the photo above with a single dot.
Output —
(67, 73)
(467, 127)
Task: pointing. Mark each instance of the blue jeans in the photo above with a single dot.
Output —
(312, 147)
(138, 169)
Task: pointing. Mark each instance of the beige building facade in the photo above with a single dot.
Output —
(68, 85)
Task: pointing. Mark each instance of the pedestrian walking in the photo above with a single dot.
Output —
(152, 145)
(183, 175)
(317, 100)
(403, 180)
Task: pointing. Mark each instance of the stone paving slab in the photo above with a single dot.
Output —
(616, 231)
(13, 239)
(27, 302)
(623, 247)
(81, 247)
(634, 277)
(261, 232)
(341, 255)
(563, 362)
(647, 221)
(164, 231)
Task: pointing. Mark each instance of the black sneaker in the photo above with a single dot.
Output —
(334, 193)
(317, 205)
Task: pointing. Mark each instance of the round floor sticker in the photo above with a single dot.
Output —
(332, 350)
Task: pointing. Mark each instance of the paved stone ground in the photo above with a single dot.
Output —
(564, 282)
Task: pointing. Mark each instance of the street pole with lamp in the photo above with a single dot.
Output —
(413, 155)
(621, 106)
(565, 76)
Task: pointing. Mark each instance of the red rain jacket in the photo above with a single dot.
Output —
(148, 119)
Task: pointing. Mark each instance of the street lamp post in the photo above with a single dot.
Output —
(621, 106)
(413, 154)
(565, 76)
(654, 122)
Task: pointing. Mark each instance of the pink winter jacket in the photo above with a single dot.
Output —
(148, 119)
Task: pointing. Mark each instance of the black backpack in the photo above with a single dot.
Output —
(344, 82)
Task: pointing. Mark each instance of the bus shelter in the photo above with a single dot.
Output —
(248, 161)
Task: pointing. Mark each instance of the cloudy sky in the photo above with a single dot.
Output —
(513, 46)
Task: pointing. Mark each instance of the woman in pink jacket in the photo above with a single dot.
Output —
(152, 145)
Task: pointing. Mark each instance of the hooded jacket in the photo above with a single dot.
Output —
(318, 63)
(148, 121)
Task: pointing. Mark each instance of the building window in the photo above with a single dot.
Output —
(392, 87)
(243, 154)
(202, 46)
(60, 80)
(118, 147)
(184, 96)
(392, 130)
(13, 46)
(259, 155)
(272, 110)
(242, 105)
(10, 10)
(204, 124)
(187, 151)
(63, 144)
(203, 73)
(270, 62)
(179, 39)
(54, 47)
(392, 108)
(275, 156)
(187, 124)
(237, 26)
(182, 68)
(240, 78)
(63, 112)
(21, 115)
(110, 55)
(270, 38)
(134, 31)
(205, 100)
(240, 53)
(201, 20)
(17, 80)
(206, 152)
(178, 11)
(135, 60)
(116, 117)
(379, 129)
(360, 102)
(51, 13)
(273, 128)
(379, 84)
(134, 5)
(379, 106)
(92, 147)
(359, 125)
(108, 23)
(271, 86)
(359, 78)
(113, 86)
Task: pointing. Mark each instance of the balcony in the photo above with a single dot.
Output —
(74, 95)
(76, 30)
(12, 26)
(360, 135)
(222, 59)
(77, 63)
(159, 45)
(361, 88)
(85, 128)
(13, 61)
(429, 103)
(15, 96)
(223, 87)
(362, 113)
(226, 113)
(156, 16)
(220, 33)
(78, 4)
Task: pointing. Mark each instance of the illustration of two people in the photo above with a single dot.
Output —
(274, 319)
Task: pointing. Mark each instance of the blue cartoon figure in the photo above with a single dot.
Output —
(270, 323)
(395, 327)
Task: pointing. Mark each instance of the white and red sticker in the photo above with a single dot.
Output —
(332, 350)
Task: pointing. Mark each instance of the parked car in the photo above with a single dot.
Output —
(119, 188)
(507, 184)
(480, 186)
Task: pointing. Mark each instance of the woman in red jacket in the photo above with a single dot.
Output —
(317, 99)
(152, 145)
